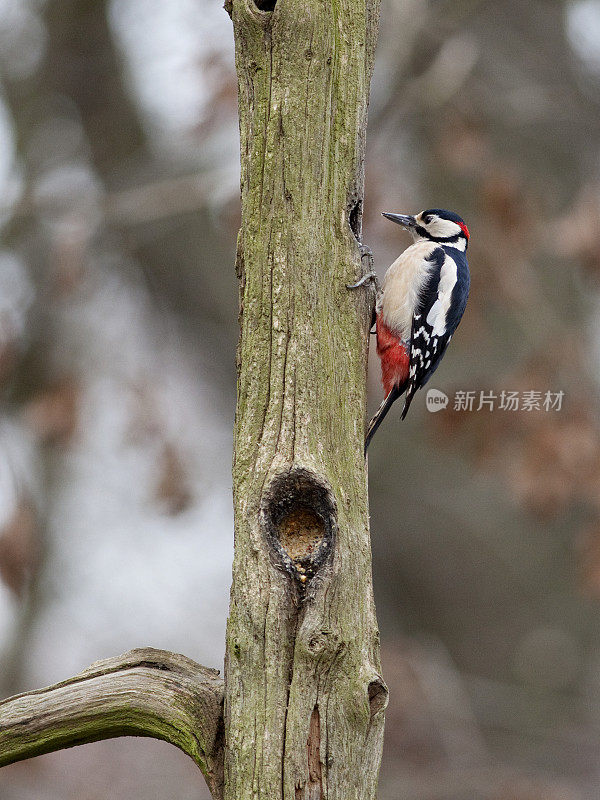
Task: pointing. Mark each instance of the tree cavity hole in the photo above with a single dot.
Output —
(299, 517)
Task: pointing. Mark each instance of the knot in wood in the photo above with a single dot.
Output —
(378, 696)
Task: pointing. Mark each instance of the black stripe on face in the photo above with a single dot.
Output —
(423, 232)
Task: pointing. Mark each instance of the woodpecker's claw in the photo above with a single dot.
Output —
(370, 276)
(366, 251)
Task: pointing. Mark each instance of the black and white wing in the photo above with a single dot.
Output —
(436, 316)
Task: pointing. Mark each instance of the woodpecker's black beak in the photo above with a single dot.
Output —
(406, 220)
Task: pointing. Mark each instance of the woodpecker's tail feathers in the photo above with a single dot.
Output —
(383, 409)
(407, 401)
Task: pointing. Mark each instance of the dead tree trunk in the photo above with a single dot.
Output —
(304, 694)
(304, 697)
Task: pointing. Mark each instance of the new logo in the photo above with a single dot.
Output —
(436, 400)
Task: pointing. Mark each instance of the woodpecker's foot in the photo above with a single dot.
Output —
(370, 276)
(366, 251)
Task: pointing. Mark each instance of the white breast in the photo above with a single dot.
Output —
(402, 285)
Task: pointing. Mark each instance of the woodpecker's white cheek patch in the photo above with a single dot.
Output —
(436, 318)
(443, 228)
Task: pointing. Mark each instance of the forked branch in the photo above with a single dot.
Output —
(145, 692)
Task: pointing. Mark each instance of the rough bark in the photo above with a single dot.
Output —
(304, 693)
(145, 692)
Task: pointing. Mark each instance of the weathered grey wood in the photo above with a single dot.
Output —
(304, 694)
(145, 692)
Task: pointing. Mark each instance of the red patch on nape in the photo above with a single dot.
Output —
(464, 229)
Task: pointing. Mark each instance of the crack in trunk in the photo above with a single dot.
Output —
(313, 788)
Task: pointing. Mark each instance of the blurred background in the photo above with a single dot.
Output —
(119, 207)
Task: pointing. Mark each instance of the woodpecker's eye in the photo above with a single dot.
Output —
(427, 219)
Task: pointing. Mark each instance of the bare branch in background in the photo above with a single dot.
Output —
(145, 692)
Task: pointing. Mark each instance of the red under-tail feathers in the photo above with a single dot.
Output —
(394, 357)
(395, 362)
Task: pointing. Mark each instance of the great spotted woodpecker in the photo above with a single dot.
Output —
(419, 305)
